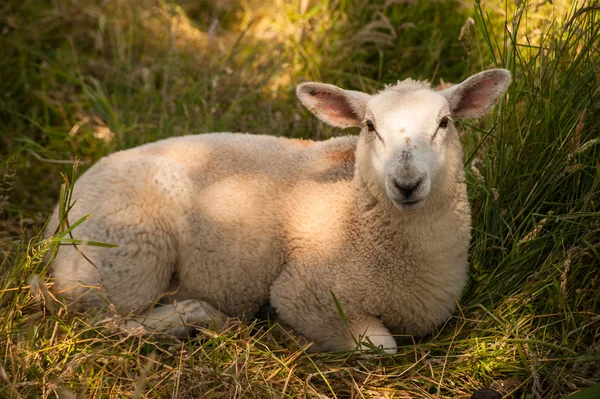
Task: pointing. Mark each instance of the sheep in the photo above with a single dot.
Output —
(217, 225)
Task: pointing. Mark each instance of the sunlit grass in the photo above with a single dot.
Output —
(82, 79)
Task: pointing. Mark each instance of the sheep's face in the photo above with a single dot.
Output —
(408, 128)
(408, 132)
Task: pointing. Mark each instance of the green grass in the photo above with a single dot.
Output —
(81, 79)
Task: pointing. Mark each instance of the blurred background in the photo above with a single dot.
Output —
(82, 78)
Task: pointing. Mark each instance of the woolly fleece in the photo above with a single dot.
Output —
(235, 221)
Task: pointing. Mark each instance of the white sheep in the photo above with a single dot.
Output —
(223, 223)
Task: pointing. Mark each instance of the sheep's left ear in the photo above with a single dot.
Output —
(333, 105)
(476, 95)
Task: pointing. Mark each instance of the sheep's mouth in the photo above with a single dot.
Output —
(409, 204)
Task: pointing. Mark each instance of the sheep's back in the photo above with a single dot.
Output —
(231, 203)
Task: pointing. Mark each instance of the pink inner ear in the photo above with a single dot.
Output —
(478, 98)
(334, 107)
(472, 101)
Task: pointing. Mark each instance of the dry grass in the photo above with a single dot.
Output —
(84, 78)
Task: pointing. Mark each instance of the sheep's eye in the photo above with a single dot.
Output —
(370, 126)
(444, 122)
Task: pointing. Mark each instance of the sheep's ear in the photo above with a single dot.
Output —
(476, 95)
(335, 106)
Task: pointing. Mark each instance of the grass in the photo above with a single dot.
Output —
(83, 78)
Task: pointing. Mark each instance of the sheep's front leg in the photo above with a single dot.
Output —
(364, 334)
(370, 332)
(310, 309)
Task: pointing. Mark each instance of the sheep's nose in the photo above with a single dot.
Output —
(407, 189)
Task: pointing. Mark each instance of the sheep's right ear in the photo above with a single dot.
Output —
(335, 106)
(476, 95)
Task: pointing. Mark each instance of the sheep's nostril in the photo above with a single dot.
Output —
(407, 189)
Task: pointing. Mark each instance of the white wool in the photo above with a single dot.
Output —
(224, 223)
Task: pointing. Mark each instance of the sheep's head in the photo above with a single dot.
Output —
(408, 128)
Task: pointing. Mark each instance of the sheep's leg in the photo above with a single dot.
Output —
(178, 317)
(371, 332)
(362, 334)
(310, 309)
